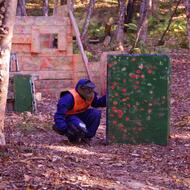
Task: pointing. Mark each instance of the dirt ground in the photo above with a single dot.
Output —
(38, 158)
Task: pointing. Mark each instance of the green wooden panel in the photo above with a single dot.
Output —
(23, 93)
(138, 99)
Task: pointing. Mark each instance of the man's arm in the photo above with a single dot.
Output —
(99, 102)
(65, 103)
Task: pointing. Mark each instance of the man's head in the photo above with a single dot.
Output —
(85, 88)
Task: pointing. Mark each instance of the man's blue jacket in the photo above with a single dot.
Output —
(66, 102)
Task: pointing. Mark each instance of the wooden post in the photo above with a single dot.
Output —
(77, 33)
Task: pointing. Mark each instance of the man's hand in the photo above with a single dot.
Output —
(79, 130)
(82, 128)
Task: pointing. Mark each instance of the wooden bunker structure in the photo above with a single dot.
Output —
(42, 47)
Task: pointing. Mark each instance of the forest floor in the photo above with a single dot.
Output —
(38, 158)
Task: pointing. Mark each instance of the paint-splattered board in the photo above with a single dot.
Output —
(138, 99)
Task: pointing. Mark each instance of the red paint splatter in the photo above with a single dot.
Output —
(112, 87)
(114, 122)
(149, 71)
(142, 76)
(120, 113)
(133, 76)
(114, 109)
(127, 119)
(115, 103)
(136, 87)
(124, 90)
(138, 71)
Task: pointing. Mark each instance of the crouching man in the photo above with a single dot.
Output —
(76, 116)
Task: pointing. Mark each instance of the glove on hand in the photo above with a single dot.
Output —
(79, 130)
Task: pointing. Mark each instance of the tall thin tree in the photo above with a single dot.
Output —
(143, 23)
(187, 8)
(161, 41)
(130, 12)
(45, 7)
(21, 9)
(56, 4)
(87, 20)
(5, 49)
(120, 23)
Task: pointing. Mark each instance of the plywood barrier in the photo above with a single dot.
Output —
(138, 99)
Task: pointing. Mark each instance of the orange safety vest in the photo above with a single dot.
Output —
(80, 104)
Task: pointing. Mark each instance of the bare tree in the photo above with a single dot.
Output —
(143, 23)
(161, 41)
(45, 7)
(130, 11)
(56, 4)
(87, 20)
(187, 8)
(8, 10)
(120, 23)
(21, 9)
(154, 7)
(63, 2)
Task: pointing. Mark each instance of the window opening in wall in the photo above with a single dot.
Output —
(48, 41)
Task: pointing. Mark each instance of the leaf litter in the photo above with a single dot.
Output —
(38, 158)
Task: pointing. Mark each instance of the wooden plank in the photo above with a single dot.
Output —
(36, 63)
(21, 49)
(25, 50)
(20, 29)
(35, 46)
(77, 33)
(21, 39)
(42, 75)
(41, 21)
(62, 39)
(49, 29)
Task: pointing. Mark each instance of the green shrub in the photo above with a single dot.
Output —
(96, 30)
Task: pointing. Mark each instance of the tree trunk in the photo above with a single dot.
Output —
(130, 11)
(45, 7)
(56, 4)
(155, 7)
(161, 41)
(187, 8)
(87, 20)
(5, 44)
(63, 2)
(143, 24)
(120, 23)
(21, 9)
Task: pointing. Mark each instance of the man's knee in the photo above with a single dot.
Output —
(97, 113)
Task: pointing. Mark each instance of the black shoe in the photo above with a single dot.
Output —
(73, 139)
(86, 141)
(57, 131)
